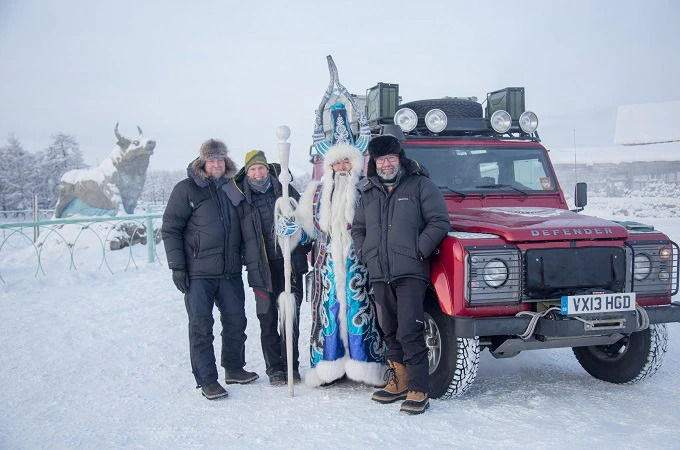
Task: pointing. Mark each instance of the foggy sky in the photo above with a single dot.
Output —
(186, 72)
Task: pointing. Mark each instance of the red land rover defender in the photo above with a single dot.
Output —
(519, 270)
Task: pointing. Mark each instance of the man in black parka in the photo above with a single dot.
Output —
(253, 191)
(400, 221)
(202, 238)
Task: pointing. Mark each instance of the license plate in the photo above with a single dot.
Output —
(598, 303)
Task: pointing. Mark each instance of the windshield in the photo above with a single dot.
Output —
(467, 169)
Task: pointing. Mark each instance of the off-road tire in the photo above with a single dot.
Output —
(630, 360)
(456, 367)
(453, 107)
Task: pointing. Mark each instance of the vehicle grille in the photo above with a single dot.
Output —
(551, 273)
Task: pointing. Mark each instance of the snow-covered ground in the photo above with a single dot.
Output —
(93, 360)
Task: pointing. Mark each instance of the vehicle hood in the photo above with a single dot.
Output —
(535, 224)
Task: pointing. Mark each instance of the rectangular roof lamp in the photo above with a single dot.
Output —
(510, 99)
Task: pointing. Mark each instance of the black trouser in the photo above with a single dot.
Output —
(401, 318)
(266, 306)
(228, 295)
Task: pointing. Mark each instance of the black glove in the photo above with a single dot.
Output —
(179, 277)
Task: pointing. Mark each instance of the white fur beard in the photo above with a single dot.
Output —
(342, 203)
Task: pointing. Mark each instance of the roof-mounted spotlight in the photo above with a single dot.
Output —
(406, 118)
(528, 122)
(435, 120)
(500, 121)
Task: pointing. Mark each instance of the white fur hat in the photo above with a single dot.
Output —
(341, 151)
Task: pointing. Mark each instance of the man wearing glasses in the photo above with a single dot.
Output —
(399, 222)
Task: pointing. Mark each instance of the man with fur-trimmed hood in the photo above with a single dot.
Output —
(202, 237)
(345, 339)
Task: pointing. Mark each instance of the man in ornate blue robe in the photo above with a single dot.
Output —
(345, 338)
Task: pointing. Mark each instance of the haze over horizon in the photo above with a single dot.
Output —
(188, 72)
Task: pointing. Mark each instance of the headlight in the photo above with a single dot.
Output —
(495, 273)
(665, 253)
(492, 276)
(500, 121)
(643, 265)
(406, 118)
(528, 122)
(435, 120)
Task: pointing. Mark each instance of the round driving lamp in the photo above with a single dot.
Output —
(406, 118)
(528, 122)
(643, 265)
(495, 273)
(500, 121)
(435, 120)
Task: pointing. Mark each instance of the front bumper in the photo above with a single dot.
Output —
(556, 325)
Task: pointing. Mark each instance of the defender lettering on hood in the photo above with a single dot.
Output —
(572, 232)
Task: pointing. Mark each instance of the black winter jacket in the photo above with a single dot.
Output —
(200, 237)
(255, 255)
(396, 232)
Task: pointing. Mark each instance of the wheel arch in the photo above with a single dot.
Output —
(441, 289)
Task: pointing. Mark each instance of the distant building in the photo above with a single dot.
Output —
(645, 162)
(612, 179)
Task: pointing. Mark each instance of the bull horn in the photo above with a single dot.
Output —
(123, 142)
(140, 130)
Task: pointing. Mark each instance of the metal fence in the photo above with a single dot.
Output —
(107, 241)
(24, 215)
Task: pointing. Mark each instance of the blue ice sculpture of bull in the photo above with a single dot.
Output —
(119, 179)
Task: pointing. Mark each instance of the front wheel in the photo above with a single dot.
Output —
(453, 361)
(629, 360)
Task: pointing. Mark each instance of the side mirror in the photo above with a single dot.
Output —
(580, 196)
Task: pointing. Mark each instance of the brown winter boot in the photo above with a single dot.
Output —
(416, 403)
(397, 384)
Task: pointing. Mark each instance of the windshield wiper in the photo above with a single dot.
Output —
(493, 186)
(451, 191)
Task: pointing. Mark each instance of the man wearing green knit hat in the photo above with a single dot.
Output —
(253, 191)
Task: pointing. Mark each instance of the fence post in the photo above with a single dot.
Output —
(150, 237)
(36, 229)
